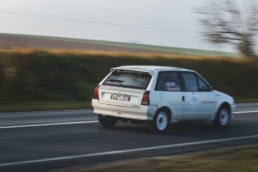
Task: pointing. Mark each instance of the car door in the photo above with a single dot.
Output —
(168, 92)
(207, 98)
(199, 103)
(191, 96)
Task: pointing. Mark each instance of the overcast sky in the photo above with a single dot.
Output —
(157, 22)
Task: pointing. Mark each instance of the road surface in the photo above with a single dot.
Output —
(37, 141)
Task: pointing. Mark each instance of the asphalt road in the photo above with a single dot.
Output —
(38, 141)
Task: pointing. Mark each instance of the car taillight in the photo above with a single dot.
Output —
(146, 98)
(96, 93)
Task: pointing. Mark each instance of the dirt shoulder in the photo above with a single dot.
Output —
(234, 159)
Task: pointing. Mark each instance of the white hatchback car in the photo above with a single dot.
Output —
(158, 96)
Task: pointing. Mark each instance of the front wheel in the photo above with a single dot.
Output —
(160, 121)
(223, 117)
(107, 121)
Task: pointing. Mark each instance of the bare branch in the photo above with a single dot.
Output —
(226, 23)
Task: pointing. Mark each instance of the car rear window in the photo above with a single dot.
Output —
(128, 79)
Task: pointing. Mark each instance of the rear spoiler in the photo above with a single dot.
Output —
(112, 69)
(135, 69)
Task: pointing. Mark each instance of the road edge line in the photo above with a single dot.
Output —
(50, 124)
(124, 151)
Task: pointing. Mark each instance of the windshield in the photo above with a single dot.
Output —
(128, 79)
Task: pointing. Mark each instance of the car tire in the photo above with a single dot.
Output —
(223, 117)
(107, 121)
(160, 122)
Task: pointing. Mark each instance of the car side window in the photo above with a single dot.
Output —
(202, 84)
(168, 81)
(190, 82)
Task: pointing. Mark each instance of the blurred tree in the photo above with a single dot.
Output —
(226, 22)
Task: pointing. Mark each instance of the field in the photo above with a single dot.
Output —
(41, 80)
(16, 41)
(235, 160)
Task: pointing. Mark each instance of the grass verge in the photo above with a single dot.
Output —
(61, 105)
(47, 78)
(43, 106)
(242, 159)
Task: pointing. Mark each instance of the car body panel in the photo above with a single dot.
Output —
(105, 93)
(224, 98)
(199, 105)
(145, 113)
(183, 105)
(171, 100)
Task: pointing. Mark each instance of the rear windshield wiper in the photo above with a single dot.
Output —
(117, 80)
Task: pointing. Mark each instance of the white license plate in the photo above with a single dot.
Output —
(120, 97)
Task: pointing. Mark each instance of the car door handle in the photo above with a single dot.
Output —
(183, 98)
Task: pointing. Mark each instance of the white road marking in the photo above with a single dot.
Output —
(44, 125)
(81, 122)
(255, 111)
(124, 151)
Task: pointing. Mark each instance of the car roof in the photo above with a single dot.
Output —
(152, 68)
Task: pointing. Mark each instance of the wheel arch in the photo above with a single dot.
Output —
(226, 104)
(217, 120)
(166, 109)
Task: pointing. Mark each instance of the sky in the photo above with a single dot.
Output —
(170, 23)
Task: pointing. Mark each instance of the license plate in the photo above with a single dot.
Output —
(120, 97)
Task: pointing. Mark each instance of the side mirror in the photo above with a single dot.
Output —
(209, 88)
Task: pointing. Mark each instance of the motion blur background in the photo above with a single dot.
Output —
(53, 53)
(165, 22)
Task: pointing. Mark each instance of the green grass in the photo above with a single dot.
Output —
(47, 78)
(43, 106)
(164, 49)
(231, 160)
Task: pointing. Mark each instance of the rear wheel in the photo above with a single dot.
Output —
(223, 117)
(107, 121)
(160, 121)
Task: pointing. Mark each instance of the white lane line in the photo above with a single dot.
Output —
(82, 122)
(51, 124)
(124, 151)
(255, 111)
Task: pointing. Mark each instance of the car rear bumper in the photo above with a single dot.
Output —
(145, 113)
